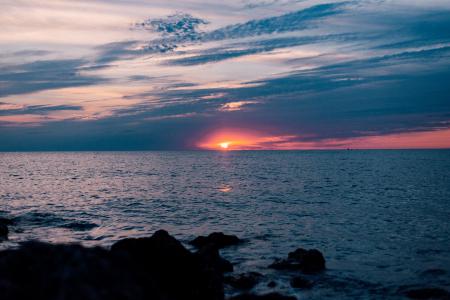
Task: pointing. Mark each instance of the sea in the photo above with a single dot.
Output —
(381, 218)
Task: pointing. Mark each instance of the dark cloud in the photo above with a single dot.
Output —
(294, 21)
(29, 52)
(260, 46)
(180, 28)
(44, 75)
(179, 25)
(115, 51)
(35, 109)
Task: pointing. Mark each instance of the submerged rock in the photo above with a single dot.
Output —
(157, 268)
(217, 239)
(428, 293)
(244, 281)
(270, 296)
(307, 261)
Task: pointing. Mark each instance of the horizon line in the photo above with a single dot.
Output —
(227, 151)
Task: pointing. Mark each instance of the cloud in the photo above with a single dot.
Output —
(44, 75)
(10, 109)
(235, 106)
(261, 46)
(179, 25)
(182, 28)
(294, 21)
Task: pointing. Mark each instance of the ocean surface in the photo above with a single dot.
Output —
(381, 218)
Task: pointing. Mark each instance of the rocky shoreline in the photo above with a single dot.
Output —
(158, 267)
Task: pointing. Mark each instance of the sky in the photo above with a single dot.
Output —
(230, 75)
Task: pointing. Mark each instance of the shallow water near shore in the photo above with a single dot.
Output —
(381, 218)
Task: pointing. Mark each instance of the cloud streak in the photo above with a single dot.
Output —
(44, 75)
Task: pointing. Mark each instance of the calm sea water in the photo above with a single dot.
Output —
(381, 218)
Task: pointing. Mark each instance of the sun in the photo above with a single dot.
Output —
(224, 145)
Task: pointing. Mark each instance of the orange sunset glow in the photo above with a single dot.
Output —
(253, 140)
(246, 139)
(232, 139)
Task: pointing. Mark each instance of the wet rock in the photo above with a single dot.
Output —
(157, 268)
(218, 239)
(244, 281)
(428, 293)
(299, 282)
(307, 261)
(272, 284)
(211, 259)
(270, 296)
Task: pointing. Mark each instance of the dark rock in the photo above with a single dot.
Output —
(169, 262)
(428, 293)
(299, 282)
(157, 268)
(244, 281)
(3, 231)
(272, 284)
(270, 296)
(307, 261)
(6, 221)
(43, 271)
(211, 259)
(218, 239)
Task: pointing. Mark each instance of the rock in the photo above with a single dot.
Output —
(168, 262)
(272, 284)
(218, 239)
(3, 232)
(307, 261)
(43, 271)
(157, 268)
(6, 221)
(244, 281)
(299, 282)
(270, 296)
(211, 259)
(428, 293)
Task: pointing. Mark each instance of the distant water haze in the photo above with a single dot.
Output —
(379, 217)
